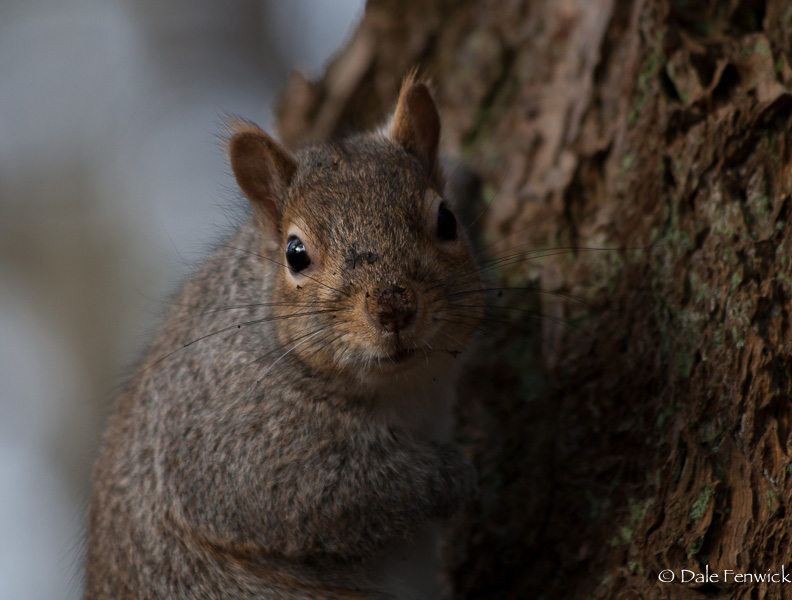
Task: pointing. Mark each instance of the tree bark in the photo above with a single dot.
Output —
(633, 415)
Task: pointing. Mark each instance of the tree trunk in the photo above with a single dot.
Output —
(633, 415)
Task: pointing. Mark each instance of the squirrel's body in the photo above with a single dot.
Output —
(287, 435)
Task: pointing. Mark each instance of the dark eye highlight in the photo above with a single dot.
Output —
(446, 224)
(297, 255)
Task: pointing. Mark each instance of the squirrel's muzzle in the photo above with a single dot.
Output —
(393, 308)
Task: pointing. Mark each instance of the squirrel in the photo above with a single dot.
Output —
(288, 434)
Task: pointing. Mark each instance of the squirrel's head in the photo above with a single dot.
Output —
(374, 274)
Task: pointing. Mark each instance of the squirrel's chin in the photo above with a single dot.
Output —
(421, 368)
(384, 362)
(399, 356)
(395, 361)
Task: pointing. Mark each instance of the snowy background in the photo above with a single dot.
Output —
(112, 184)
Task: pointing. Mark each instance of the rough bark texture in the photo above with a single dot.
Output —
(643, 422)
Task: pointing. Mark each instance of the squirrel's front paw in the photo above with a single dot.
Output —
(458, 478)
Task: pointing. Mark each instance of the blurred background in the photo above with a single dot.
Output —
(112, 185)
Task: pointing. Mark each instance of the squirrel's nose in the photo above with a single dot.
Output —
(393, 308)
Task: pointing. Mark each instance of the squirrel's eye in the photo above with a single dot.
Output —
(296, 255)
(446, 224)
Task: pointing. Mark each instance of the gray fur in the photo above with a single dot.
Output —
(256, 454)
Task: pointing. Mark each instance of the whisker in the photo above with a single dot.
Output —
(487, 203)
(253, 305)
(272, 260)
(452, 338)
(520, 257)
(570, 297)
(481, 322)
(497, 262)
(493, 325)
(240, 367)
(306, 337)
(325, 342)
(218, 309)
(526, 311)
(237, 327)
(336, 364)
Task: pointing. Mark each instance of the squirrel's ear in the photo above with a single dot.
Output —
(416, 125)
(262, 169)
